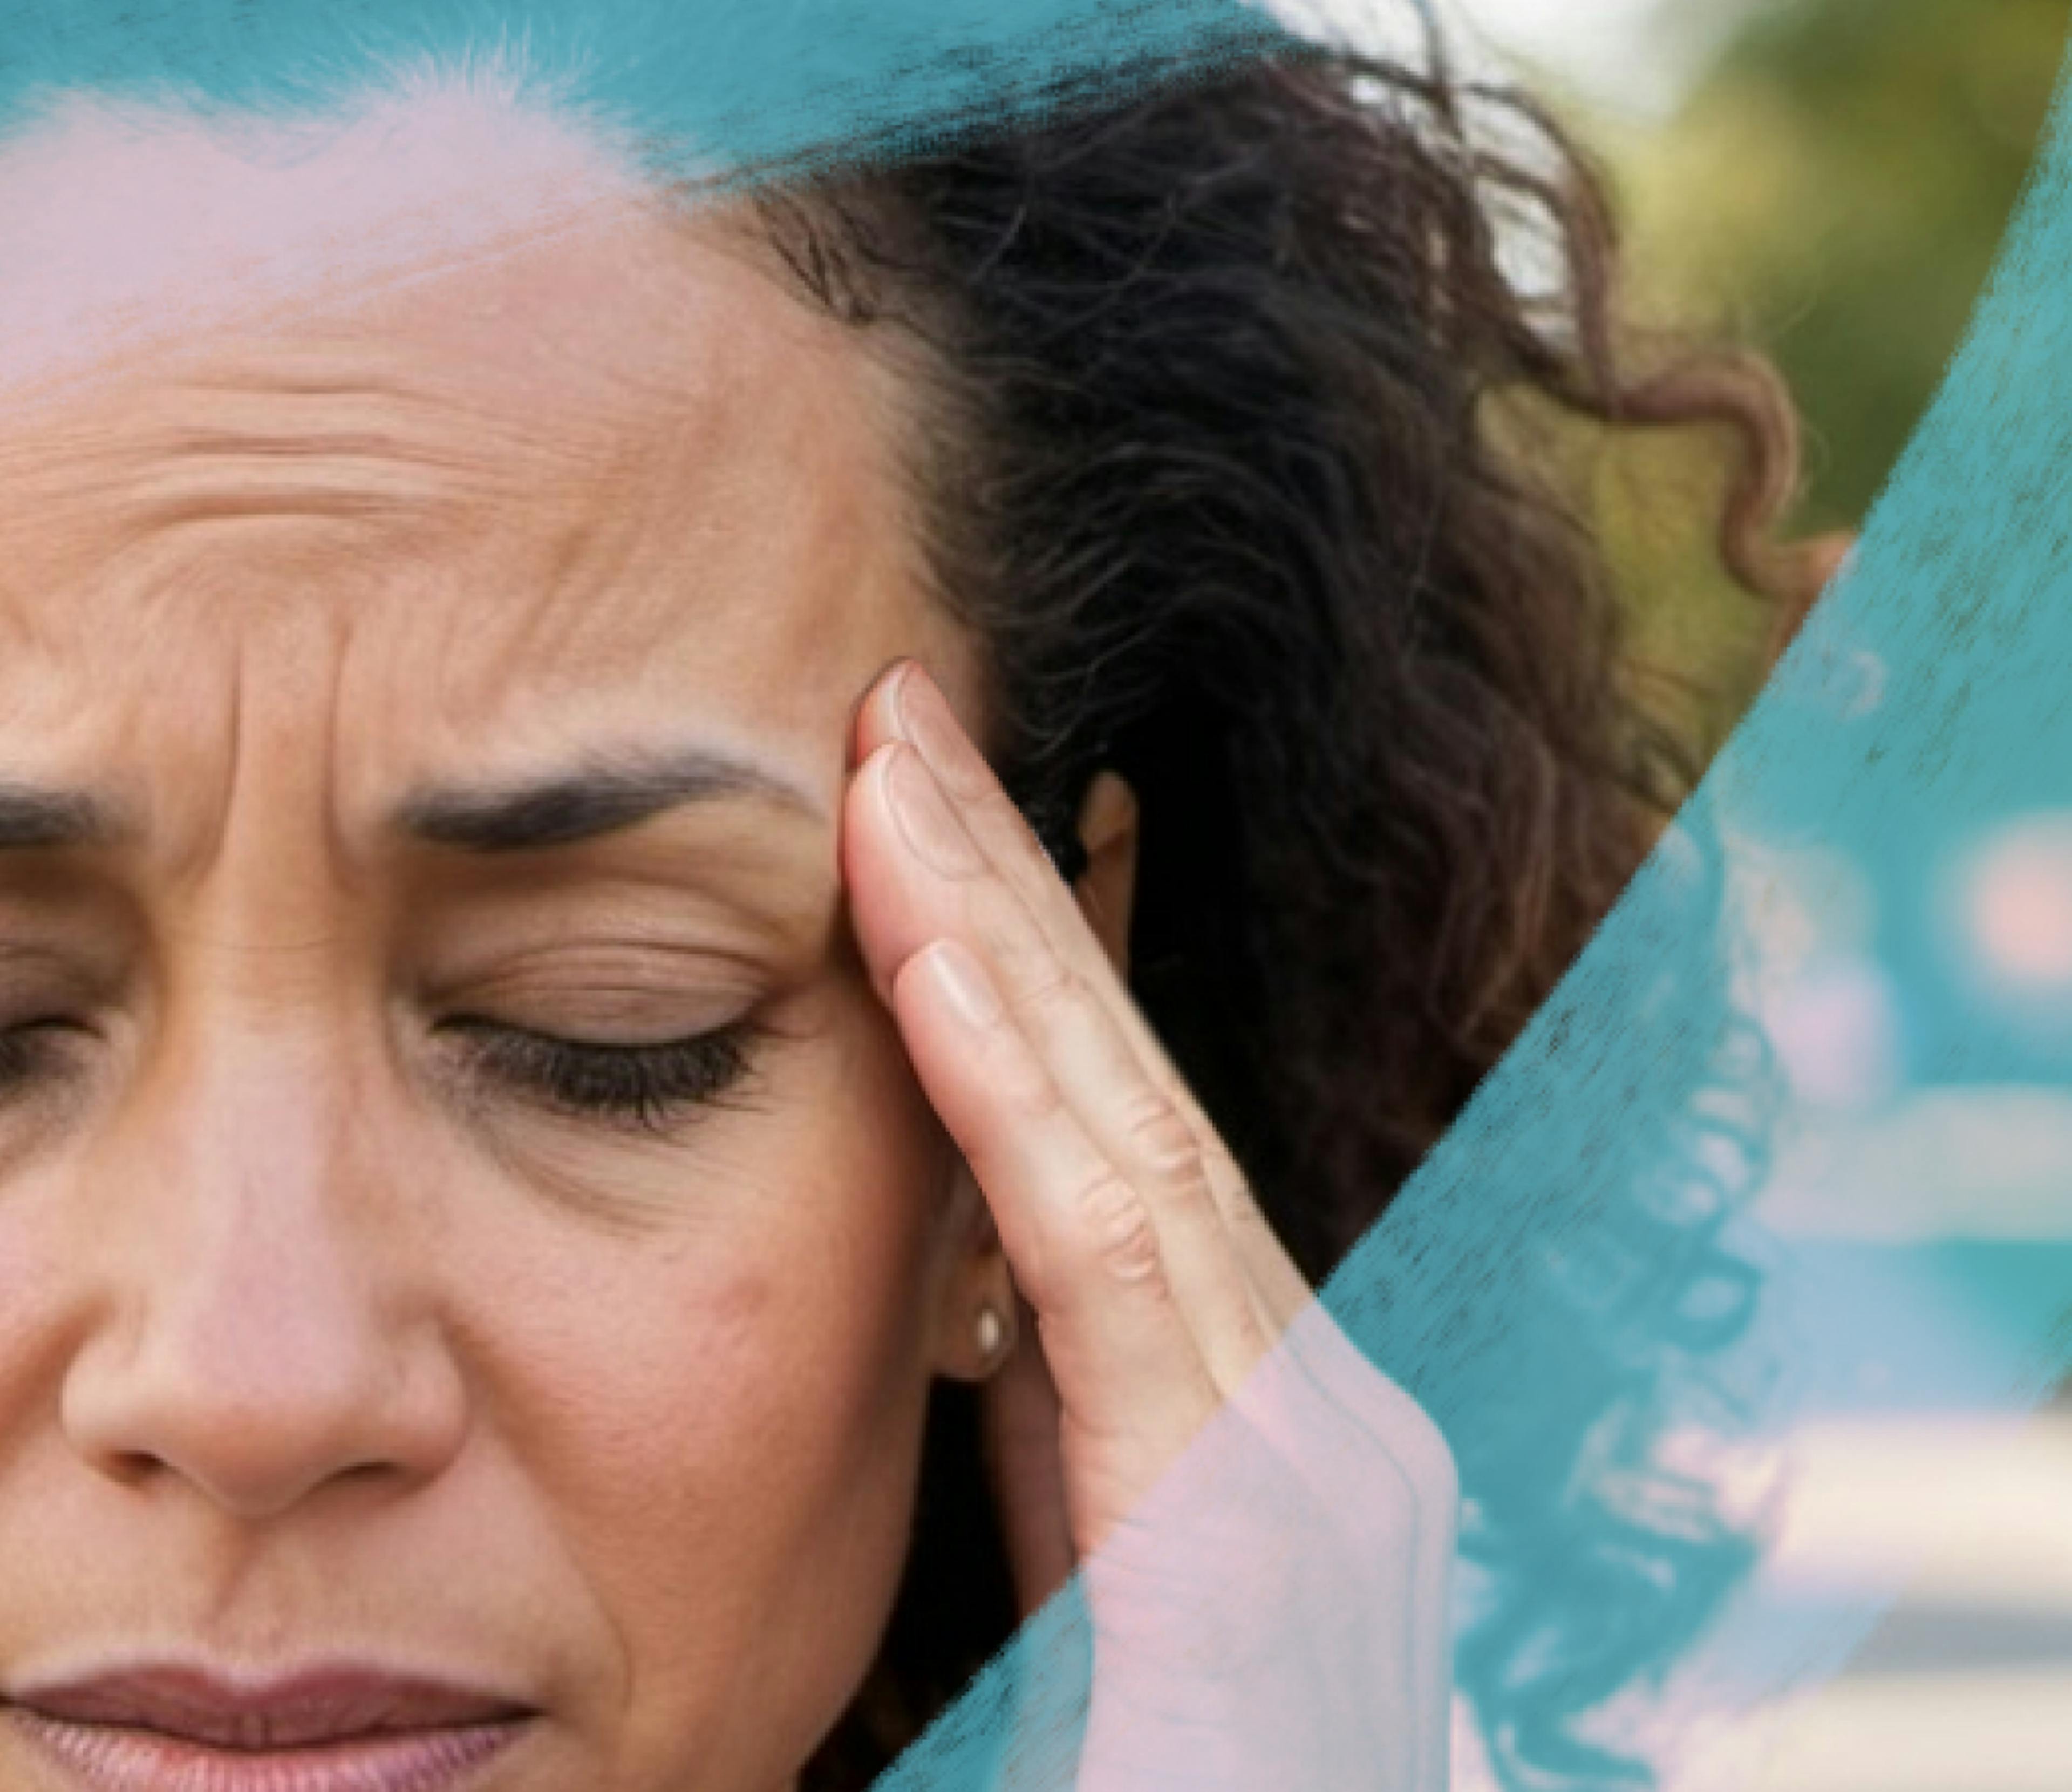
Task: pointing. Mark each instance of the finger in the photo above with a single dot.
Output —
(944, 889)
(1134, 1388)
(910, 705)
(907, 704)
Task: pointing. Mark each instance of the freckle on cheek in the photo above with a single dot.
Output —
(740, 1308)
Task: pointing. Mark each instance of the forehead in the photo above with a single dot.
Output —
(449, 394)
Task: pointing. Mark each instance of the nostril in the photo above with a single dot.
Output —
(255, 1418)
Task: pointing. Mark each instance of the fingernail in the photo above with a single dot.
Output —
(964, 982)
(925, 818)
(926, 719)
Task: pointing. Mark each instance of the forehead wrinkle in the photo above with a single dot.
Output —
(711, 503)
(697, 509)
(343, 806)
(190, 452)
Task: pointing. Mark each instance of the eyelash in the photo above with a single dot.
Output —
(26, 1052)
(651, 1089)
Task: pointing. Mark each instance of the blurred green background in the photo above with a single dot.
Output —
(1839, 181)
(1826, 180)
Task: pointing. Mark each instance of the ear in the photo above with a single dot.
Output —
(977, 1281)
(1107, 888)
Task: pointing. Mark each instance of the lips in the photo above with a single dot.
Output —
(344, 1728)
(322, 1705)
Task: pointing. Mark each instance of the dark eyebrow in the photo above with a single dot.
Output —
(34, 819)
(562, 807)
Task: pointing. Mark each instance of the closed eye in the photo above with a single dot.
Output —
(31, 1051)
(650, 1089)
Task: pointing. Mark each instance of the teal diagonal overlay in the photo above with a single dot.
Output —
(1551, 1257)
(732, 86)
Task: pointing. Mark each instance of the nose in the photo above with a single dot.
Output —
(263, 1330)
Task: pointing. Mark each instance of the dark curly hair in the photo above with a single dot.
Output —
(1211, 383)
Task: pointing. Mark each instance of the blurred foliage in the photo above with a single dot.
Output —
(1833, 191)
(1840, 179)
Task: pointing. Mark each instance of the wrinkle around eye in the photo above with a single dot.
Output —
(782, 910)
(701, 983)
(591, 1016)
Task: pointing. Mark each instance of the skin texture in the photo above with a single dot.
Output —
(298, 1320)
(300, 1315)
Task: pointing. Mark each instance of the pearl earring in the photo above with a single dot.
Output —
(990, 1331)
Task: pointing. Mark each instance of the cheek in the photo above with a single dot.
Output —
(725, 1413)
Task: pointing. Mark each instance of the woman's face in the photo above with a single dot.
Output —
(398, 676)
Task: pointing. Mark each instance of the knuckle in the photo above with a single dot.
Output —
(1248, 1220)
(1014, 1075)
(1118, 1229)
(1035, 974)
(1161, 1139)
(1050, 986)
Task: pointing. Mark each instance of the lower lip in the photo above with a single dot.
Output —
(106, 1758)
